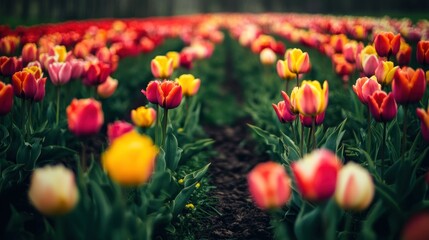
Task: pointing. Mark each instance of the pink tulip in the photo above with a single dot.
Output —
(307, 121)
(59, 73)
(117, 129)
(151, 91)
(369, 64)
(284, 109)
(269, 185)
(365, 87)
(382, 106)
(84, 116)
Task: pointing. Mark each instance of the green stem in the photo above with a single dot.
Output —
(164, 126)
(157, 125)
(83, 156)
(30, 116)
(58, 104)
(368, 135)
(313, 130)
(293, 131)
(301, 141)
(383, 149)
(309, 138)
(404, 131)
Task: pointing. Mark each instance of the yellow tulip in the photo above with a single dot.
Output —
(189, 84)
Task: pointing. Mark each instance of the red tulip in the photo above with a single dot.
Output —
(365, 87)
(29, 53)
(424, 122)
(423, 52)
(269, 185)
(307, 121)
(404, 55)
(169, 94)
(417, 227)
(60, 73)
(316, 174)
(6, 98)
(386, 44)
(151, 91)
(408, 85)
(9, 66)
(117, 129)
(382, 106)
(284, 109)
(84, 116)
(96, 74)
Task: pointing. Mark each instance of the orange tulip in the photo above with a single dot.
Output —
(107, 88)
(408, 85)
(386, 44)
(29, 53)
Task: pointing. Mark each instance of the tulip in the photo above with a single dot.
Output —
(53, 190)
(59, 73)
(404, 55)
(284, 109)
(169, 94)
(35, 70)
(298, 61)
(316, 174)
(408, 85)
(130, 159)
(151, 91)
(26, 86)
(96, 74)
(29, 53)
(423, 52)
(386, 44)
(424, 122)
(60, 53)
(262, 42)
(189, 84)
(117, 129)
(84, 116)
(351, 50)
(338, 42)
(107, 88)
(143, 117)
(269, 185)
(311, 99)
(8, 66)
(267, 56)
(45, 59)
(382, 106)
(6, 98)
(283, 70)
(162, 67)
(78, 67)
(365, 87)
(175, 56)
(384, 72)
(8, 45)
(186, 59)
(342, 67)
(416, 227)
(355, 187)
(81, 50)
(307, 121)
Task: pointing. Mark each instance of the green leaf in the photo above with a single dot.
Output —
(56, 152)
(195, 176)
(307, 225)
(172, 151)
(271, 140)
(4, 139)
(333, 140)
(160, 161)
(182, 198)
(388, 195)
(28, 154)
(292, 150)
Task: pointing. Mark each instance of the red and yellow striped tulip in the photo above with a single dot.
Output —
(311, 98)
(298, 61)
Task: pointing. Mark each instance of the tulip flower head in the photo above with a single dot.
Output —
(60, 53)
(8, 44)
(284, 110)
(423, 52)
(267, 56)
(53, 190)
(269, 185)
(404, 54)
(385, 72)
(416, 227)
(365, 87)
(298, 61)
(162, 67)
(424, 122)
(96, 73)
(283, 70)
(9, 65)
(84, 116)
(382, 106)
(307, 121)
(29, 53)
(189, 83)
(386, 44)
(6, 98)
(27, 86)
(355, 187)
(169, 94)
(117, 129)
(143, 117)
(175, 56)
(408, 85)
(311, 98)
(107, 88)
(130, 159)
(60, 73)
(369, 60)
(316, 174)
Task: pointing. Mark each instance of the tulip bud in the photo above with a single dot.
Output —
(269, 185)
(96, 74)
(404, 54)
(365, 87)
(143, 117)
(423, 52)
(311, 99)
(59, 73)
(316, 174)
(355, 188)
(386, 44)
(189, 84)
(53, 190)
(29, 53)
(117, 129)
(267, 56)
(107, 88)
(283, 70)
(382, 106)
(84, 116)
(130, 159)
(175, 56)
(408, 85)
(78, 67)
(162, 67)
(284, 109)
(151, 91)
(298, 61)
(6, 98)
(424, 122)
(384, 72)
(169, 94)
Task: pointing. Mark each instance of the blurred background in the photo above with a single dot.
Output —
(27, 12)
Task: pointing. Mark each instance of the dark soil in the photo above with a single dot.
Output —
(235, 157)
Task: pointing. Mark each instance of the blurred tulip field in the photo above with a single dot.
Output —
(115, 128)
